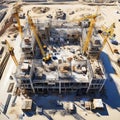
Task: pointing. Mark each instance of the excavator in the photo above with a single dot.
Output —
(11, 51)
(16, 9)
(33, 28)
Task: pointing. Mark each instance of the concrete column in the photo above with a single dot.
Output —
(32, 86)
(60, 87)
(89, 86)
(47, 32)
(102, 85)
(31, 82)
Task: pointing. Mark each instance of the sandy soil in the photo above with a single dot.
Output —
(108, 16)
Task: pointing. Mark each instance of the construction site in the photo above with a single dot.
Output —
(59, 60)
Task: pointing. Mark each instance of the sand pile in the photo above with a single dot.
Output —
(40, 10)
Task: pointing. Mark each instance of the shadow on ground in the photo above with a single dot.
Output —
(103, 112)
(31, 112)
(111, 86)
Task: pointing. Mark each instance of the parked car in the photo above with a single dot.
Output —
(114, 42)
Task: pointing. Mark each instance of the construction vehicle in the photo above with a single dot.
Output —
(11, 51)
(33, 28)
(108, 34)
(17, 9)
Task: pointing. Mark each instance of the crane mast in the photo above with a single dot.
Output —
(19, 25)
(30, 21)
(109, 34)
(11, 51)
(16, 14)
(90, 30)
(33, 28)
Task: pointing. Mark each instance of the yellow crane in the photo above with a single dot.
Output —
(33, 28)
(86, 17)
(11, 51)
(108, 34)
(90, 30)
(89, 34)
(109, 31)
(16, 10)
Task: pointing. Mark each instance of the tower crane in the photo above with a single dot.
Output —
(109, 33)
(33, 28)
(90, 30)
(11, 51)
(89, 34)
(16, 10)
(86, 17)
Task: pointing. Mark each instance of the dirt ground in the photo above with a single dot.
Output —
(108, 16)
